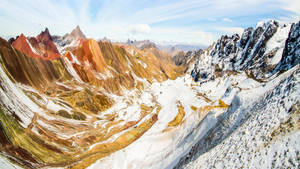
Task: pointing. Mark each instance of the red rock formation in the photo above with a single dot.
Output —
(40, 47)
(23, 45)
(90, 51)
(45, 45)
(33, 70)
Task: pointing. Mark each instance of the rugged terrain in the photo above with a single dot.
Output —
(70, 101)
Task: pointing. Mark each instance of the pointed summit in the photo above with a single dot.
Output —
(44, 35)
(47, 30)
(77, 33)
(22, 44)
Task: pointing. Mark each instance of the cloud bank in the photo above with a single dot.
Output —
(189, 21)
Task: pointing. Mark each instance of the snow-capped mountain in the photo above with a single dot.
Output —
(262, 51)
(72, 102)
(141, 44)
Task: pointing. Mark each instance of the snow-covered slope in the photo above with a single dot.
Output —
(261, 116)
(260, 130)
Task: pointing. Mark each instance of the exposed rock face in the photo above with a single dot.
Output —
(258, 51)
(202, 68)
(90, 52)
(69, 41)
(144, 44)
(44, 36)
(43, 43)
(182, 58)
(11, 40)
(22, 44)
(291, 52)
(245, 37)
(40, 47)
(34, 70)
(113, 67)
(77, 33)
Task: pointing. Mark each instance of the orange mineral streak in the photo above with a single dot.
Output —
(68, 55)
(89, 51)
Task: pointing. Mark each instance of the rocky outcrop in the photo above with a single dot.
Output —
(144, 44)
(258, 51)
(34, 70)
(78, 34)
(41, 46)
(182, 58)
(44, 45)
(90, 52)
(22, 44)
(69, 41)
(202, 68)
(291, 52)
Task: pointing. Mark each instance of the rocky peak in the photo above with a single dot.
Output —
(44, 36)
(22, 36)
(44, 45)
(20, 40)
(144, 44)
(291, 52)
(70, 41)
(245, 37)
(21, 43)
(11, 40)
(77, 33)
(257, 50)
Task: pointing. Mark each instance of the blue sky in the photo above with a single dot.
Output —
(182, 21)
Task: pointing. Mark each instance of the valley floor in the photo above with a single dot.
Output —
(232, 122)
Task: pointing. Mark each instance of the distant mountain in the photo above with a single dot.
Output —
(164, 46)
(69, 41)
(77, 34)
(141, 44)
(181, 47)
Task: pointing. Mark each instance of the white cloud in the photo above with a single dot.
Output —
(140, 29)
(292, 6)
(178, 20)
(230, 30)
(226, 20)
(183, 35)
(30, 17)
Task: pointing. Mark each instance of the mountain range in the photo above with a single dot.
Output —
(74, 102)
